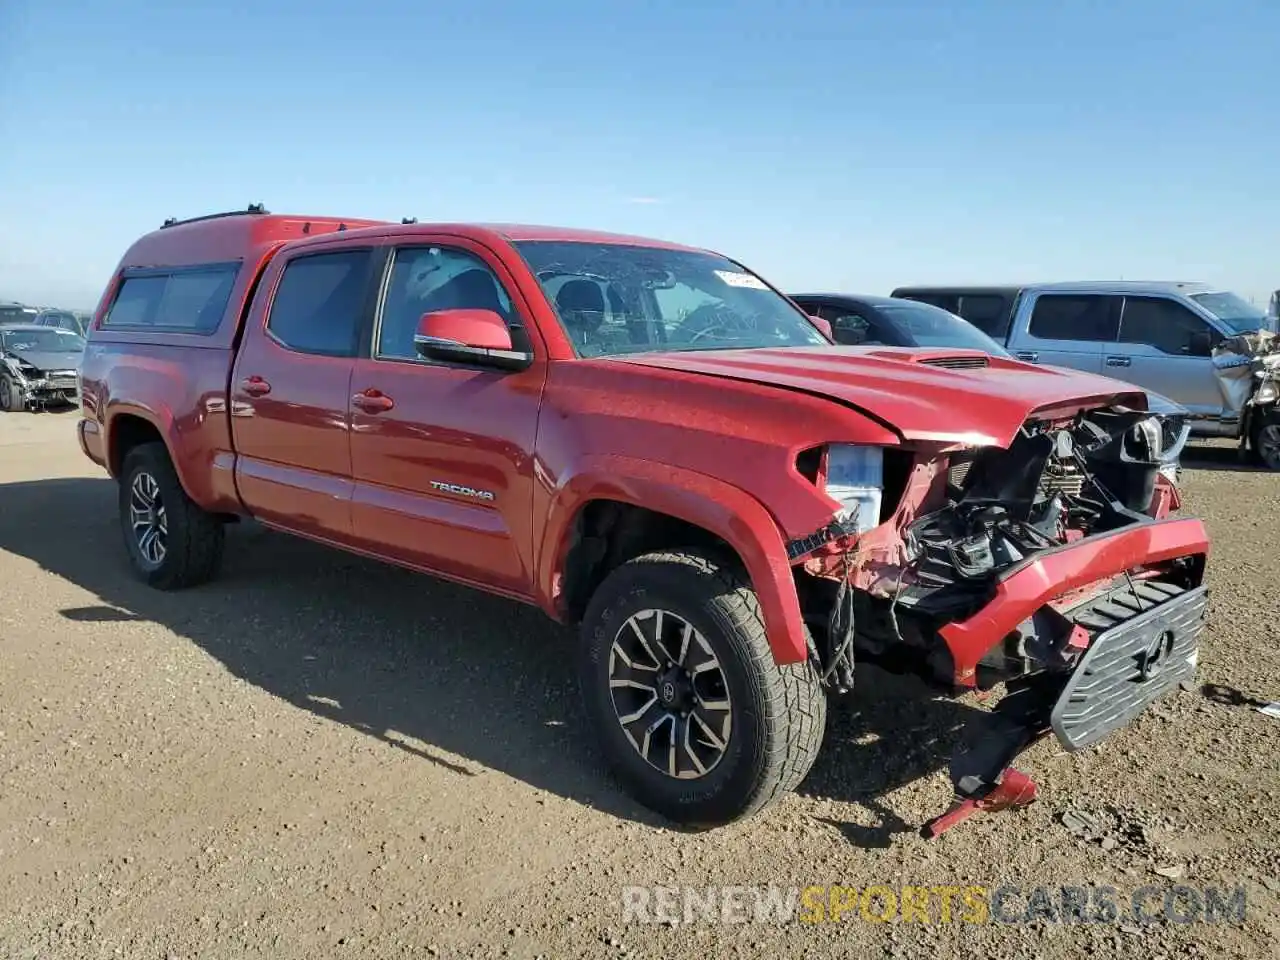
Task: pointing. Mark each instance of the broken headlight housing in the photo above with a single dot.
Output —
(854, 478)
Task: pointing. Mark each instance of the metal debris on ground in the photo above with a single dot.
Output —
(1109, 828)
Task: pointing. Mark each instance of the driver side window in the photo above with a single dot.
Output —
(849, 329)
(425, 279)
(1166, 325)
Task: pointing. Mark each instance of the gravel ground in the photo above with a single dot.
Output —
(321, 756)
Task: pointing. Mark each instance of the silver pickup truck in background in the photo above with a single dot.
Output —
(1157, 335)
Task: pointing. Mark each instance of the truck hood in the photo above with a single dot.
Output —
(45, 361)
(908, 391)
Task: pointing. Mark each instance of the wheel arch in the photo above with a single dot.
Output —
(616, 508)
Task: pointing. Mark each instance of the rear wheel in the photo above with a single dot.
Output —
(172, 542)
(693, 715)
(10, 395)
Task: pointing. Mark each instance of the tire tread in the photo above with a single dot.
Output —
(194, 548)
(794, 702)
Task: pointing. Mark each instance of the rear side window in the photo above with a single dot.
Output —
(319, 304)
(1089, 318)
(183, 300)
(986, 312)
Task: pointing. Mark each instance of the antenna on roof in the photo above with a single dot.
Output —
(408, 220)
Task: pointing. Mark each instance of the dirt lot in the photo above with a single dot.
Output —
(319, 756)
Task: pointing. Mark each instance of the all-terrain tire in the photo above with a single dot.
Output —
(193, 537)
(1264, 430)
(778, 713)
(10, 396)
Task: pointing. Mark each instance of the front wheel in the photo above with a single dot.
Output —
(10, 396)
(694, 717)
(1265, 438)
(172, 542)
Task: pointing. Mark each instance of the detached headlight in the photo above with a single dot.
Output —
(1268, 392)
(855, 478)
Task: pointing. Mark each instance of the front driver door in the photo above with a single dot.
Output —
(443, 454)
(1163, 347)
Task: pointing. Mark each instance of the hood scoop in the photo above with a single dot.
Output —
(958, 363)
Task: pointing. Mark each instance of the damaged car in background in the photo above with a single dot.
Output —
(1247, 367)
(38, 366)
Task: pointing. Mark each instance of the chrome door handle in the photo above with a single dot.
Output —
(1118, 361)
(373, 400)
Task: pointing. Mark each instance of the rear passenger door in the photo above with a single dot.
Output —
(1066, 329)
(1165, 347)
(291, 389)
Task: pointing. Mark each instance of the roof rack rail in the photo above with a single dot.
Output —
(253, 208)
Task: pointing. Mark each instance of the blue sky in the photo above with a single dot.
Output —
(836, 144)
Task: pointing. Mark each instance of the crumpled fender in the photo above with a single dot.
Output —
(718, 507)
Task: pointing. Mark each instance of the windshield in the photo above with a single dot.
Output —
(1236, 312)
(617, 298)
(46, 340)
(928, 326)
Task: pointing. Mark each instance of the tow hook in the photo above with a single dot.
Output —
(1013, 789)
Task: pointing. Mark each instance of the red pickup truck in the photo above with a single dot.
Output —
(652, 443)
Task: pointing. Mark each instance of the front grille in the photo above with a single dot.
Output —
(957, 363)
(1146, 643)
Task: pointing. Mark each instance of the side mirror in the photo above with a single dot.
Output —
(1200, 344)
(822, 325)
(478, 337)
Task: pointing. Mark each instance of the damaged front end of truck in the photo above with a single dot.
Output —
(1050, 567)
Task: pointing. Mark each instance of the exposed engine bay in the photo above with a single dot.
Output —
(1052, 485)
(964, 516)
(1090, 641)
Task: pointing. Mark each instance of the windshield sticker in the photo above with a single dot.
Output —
(741, 280)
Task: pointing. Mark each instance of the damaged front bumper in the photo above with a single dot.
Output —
(1050, 567)
(1126, 640)
(44, 390)
(1023, 589)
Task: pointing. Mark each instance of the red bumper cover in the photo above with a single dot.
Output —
(1024, 588)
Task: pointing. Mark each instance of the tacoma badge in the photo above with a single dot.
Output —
(463, 491)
